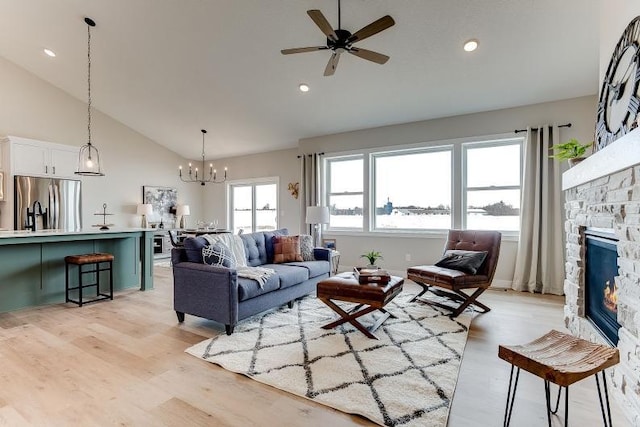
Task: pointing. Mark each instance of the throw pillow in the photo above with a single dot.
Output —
(286, 249)
(306, 247)
(465, 261)
(219, 255)
(193, 248)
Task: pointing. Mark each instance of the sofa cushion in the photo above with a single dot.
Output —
(289, 275)
(315, 268)
(465, 261)
(254, 248)
(219, 255)
(306, 247)
(248, 288)
(286, 249)
(259, 247)
(193, 247)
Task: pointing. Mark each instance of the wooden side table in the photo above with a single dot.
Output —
(561, 359)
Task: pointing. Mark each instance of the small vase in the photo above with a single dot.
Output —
(372, 267)
(575, 161)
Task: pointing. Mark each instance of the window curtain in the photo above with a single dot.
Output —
(540, 259)
(310, 179)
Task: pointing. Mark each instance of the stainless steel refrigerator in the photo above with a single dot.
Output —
(47, 203)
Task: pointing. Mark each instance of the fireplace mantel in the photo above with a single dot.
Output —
(623, 153)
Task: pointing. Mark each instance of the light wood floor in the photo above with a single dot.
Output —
(123, 363)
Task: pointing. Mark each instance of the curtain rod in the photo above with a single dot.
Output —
(568, 125)
(309, 155)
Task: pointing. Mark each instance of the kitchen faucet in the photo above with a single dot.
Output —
(31, 223)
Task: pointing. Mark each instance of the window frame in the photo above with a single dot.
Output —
(458, 183)
(253, 182)
(373, 227)
(465, 188)
(326, 187)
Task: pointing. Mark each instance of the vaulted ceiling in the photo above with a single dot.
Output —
(169, 68)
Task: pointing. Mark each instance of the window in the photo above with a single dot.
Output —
(345, 192)
(457, 184)
(492, 187)
(412, 190)
(254, 206)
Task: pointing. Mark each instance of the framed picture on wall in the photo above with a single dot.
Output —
(329, 243)
(164, 201)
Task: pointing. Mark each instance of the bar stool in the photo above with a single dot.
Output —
(94, 260)
(561, 359)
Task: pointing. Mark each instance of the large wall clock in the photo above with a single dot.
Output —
(619, 98)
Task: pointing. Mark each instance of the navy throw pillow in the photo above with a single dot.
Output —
(219, 255)
(193, 248)
(466, 261)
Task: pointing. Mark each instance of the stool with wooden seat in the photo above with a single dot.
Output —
(561, 359)
(96, 261)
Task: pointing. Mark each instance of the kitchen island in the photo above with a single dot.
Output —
(32, 267)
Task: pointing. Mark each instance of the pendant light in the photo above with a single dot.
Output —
(89, 157)
(193, 176)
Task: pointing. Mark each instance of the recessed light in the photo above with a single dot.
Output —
(303, 87)
(50, 53)
(471, 45)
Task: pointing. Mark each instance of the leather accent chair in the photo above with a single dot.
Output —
(455, 281)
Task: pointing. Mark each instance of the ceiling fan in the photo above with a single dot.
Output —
(340, 40)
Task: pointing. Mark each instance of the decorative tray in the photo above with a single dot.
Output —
(370, 275)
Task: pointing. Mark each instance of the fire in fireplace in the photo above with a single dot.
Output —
(601, 290)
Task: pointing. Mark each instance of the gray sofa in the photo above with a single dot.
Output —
(217, 293)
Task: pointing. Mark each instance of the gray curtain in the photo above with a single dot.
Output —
(310, 186)
(540, 258)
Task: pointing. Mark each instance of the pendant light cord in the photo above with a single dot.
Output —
(89, 83)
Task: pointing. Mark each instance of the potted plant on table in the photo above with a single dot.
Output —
(571, 150)
(372, 257)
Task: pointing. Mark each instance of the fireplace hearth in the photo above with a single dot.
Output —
(601, 290)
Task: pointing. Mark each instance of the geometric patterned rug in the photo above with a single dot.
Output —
(406, 378)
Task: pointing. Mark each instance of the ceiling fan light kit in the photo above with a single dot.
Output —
(340, 40)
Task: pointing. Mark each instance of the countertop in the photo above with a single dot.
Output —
(55, 232)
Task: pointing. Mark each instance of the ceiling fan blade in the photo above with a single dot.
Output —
(322, 23)
(302, 50)
(332, 64)
(369, 55)
(372, 29)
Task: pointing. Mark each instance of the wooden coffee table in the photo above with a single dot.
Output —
(368, 297)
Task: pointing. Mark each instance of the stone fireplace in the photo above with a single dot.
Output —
(603, 193)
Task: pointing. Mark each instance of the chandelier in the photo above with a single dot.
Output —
(193, 174)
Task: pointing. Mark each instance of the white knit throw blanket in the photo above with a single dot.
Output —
(234, 243)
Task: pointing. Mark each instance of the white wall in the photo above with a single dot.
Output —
(615, 15)
(33, 108)
(282, 164)
(580, 112)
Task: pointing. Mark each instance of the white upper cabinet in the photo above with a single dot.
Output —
(64, 161)
(37, 158)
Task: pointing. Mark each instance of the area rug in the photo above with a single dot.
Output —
(406, 378)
